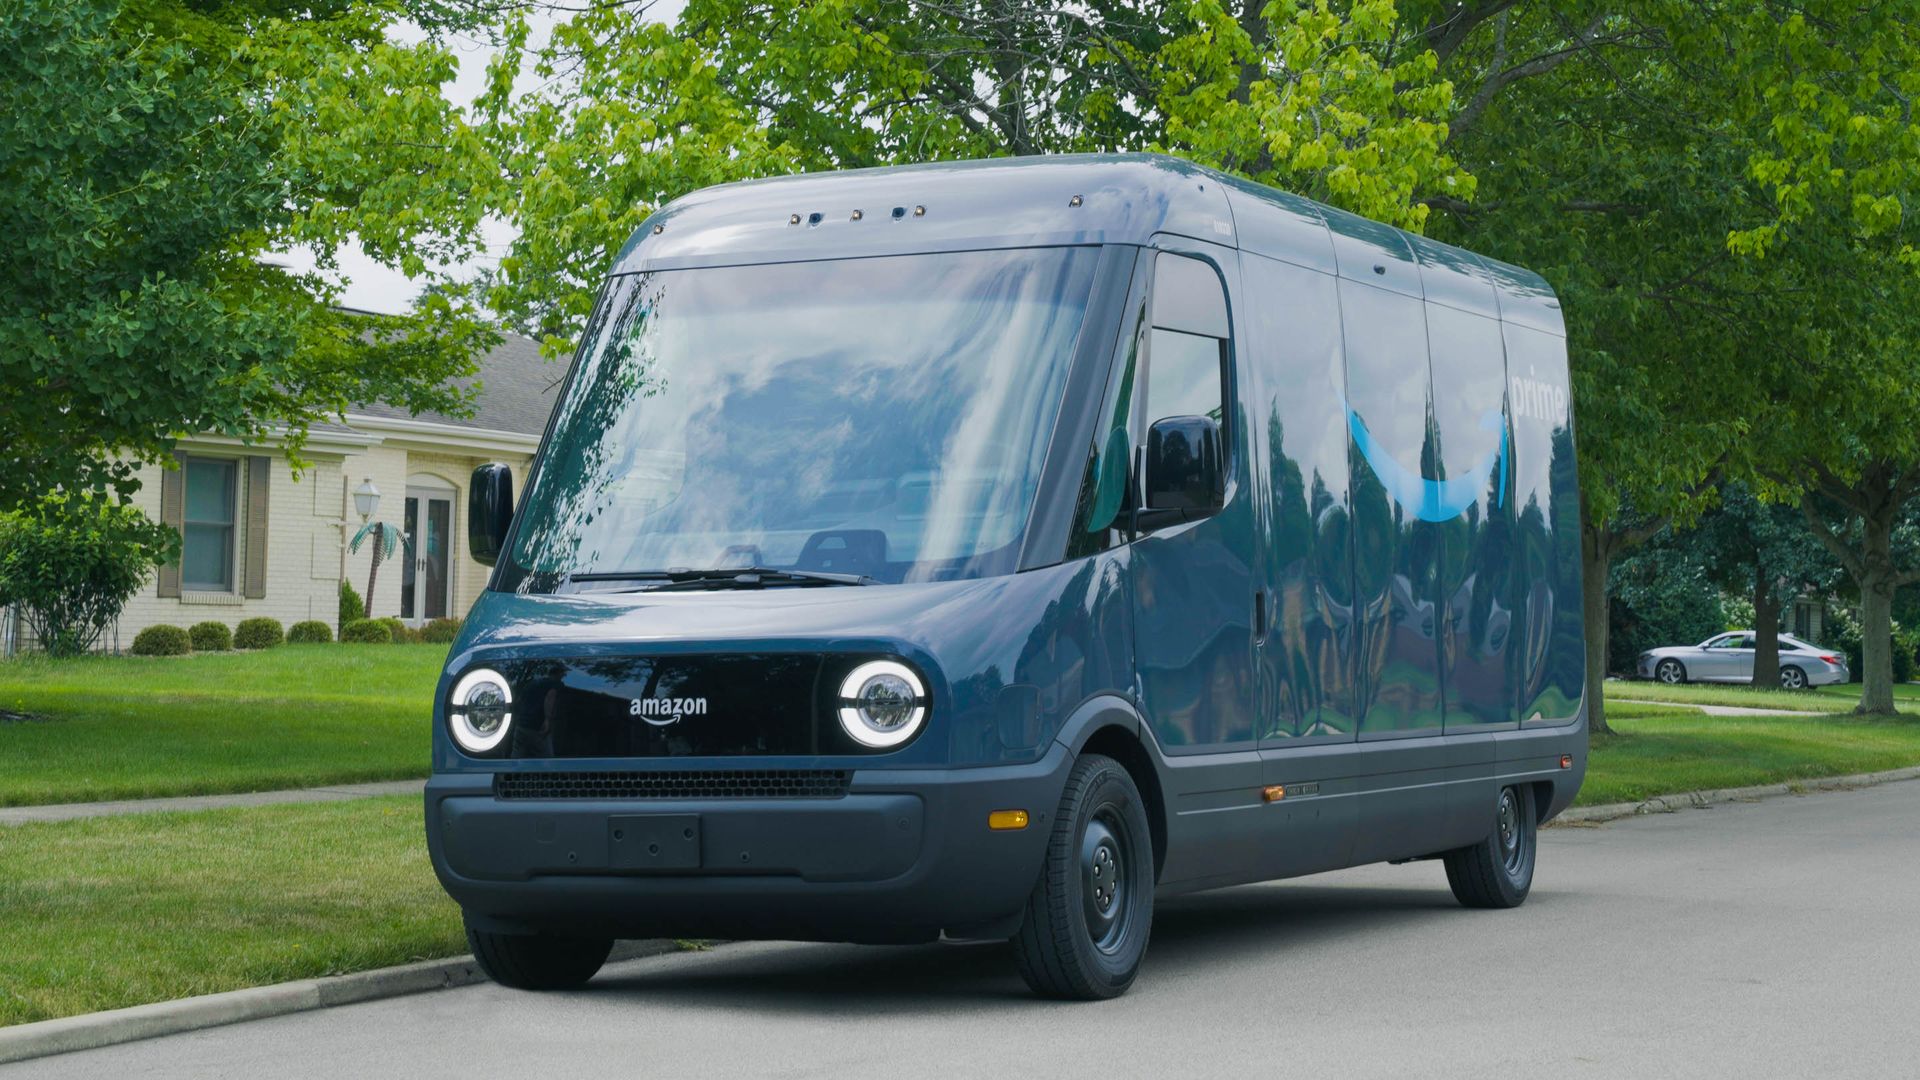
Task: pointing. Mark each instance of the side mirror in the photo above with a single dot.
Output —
(1184, 480)
(489, 512)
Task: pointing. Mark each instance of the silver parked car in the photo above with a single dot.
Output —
(1728, 657)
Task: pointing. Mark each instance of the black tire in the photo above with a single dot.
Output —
(1498, 872)
(538, 961)
(1089, 916)
(1792, 678)
(1671, 672)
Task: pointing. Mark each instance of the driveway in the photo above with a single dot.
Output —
(1772, 939)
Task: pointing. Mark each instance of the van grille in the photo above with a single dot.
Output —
(683, 784)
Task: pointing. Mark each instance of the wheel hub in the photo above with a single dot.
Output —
(1509, 829)
(1103, 876)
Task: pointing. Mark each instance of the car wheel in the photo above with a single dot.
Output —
(1498, 872)
(1792, 678)
(1089, 915)
(538, 961)
(1671, 672)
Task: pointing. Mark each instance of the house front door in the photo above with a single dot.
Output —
(424, 577)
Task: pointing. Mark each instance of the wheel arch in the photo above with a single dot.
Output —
(1112, 727)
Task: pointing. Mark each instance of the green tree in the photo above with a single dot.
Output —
(152, 154)
(1705, 186)
(630, 114)
(70, 563)
(1766, 552)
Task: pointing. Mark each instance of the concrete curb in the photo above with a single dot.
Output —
(1697, 800)
(90, 1030)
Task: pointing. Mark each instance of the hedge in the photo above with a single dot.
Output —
(310, 632)
(162, 639)
(259, 632)
(210, 636)
(367, 632)
(440, 631)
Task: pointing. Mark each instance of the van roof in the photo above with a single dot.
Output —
(1068, 199)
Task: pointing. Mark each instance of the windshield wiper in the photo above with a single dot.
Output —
(729, 577)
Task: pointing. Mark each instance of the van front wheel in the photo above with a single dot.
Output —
(538, 961)
(1498, 872)
(1088, 916)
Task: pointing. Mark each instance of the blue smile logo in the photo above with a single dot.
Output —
(1434, 500)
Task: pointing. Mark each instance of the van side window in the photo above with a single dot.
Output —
(1187, 349)
(1184, 358)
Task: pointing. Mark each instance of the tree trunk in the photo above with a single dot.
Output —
(1766, 631)
(1878, 579)
(1596, 557)
(373, 575)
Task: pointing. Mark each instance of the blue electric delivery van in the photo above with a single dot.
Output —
(977, 551)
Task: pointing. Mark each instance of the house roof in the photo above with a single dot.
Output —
(517, 391)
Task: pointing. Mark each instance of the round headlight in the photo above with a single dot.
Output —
(882, 703)
(481, 710)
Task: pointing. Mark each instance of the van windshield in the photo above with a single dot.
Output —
(883, 418)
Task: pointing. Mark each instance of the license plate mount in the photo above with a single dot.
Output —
(653, 842)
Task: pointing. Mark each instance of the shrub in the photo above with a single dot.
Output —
(440, 631)
(258, 632)
(309, 632)
(210, 636)
(70, 563)
(351, 609)
(367, 632)
(402, 633)
(162, 640)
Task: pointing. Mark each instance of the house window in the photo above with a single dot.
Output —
(206, 558)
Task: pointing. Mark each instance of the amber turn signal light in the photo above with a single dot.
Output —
(1274, 792)
(1006, 820)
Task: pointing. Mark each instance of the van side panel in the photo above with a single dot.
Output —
(1304, 687)
(1295, 358)
(1395, 552)
(1549, 666)
(1476, 547)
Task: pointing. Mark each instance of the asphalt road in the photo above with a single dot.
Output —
(1773, 939)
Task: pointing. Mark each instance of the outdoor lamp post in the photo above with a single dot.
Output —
(366, 498)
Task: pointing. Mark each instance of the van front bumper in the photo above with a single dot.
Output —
(902, 856)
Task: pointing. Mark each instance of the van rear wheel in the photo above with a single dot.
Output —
(1089, 915)
(1498, 872)
(538, 961)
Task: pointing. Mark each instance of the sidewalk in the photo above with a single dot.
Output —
(20, 815)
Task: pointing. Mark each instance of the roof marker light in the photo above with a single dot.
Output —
(857, 215)
(919, 211)
(793, 219)
(1075, 201)
(658, 229)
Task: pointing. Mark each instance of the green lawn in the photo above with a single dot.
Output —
(109, 912)
(115, 727)
(1824, 699)
(1663, 751)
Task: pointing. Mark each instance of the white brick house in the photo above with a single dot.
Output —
(260, 540)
